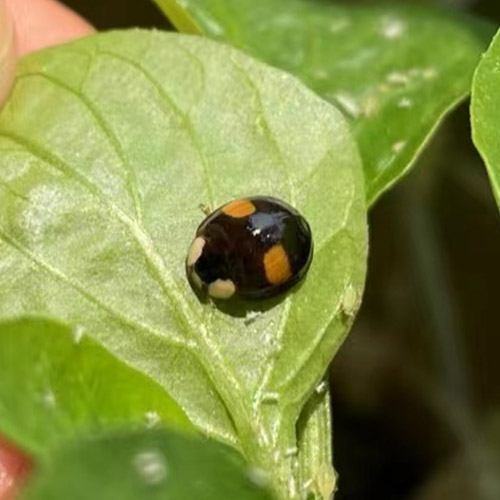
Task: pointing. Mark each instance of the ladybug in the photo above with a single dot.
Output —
(251, 248)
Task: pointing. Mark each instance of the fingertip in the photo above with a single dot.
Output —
(30, 25)
(7, 52)
(42, 23)
(15, 466)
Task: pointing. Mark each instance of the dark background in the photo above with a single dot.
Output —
(416, 387)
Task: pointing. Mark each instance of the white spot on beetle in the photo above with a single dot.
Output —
(195, 250)
(221, 289)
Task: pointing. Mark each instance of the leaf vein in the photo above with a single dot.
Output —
(265, 124)
(181, 309)
(108, 133)
(185, 120)
(64, 278)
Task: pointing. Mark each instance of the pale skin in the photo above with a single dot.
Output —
(27, 26)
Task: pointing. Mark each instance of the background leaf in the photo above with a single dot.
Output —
(107, 147)
(56, 384)
(484, 112)
(395, 70)
(146, 465)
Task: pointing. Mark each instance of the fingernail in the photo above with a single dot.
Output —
(7, 52)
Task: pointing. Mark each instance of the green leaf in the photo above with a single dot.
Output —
(107, 148)
(395, 70)
(146, 465)
(484, 112)
(56, 384)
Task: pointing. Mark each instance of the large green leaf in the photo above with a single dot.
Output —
(395, 70)
(148, 466)
(484, 112)
(107, 148)
(56, 383)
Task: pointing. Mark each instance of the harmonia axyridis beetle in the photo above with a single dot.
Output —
(252, 248)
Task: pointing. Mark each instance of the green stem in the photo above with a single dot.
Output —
(178, 16)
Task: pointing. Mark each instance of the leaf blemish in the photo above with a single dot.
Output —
(152, 419)
(405, 103)
(393, 28)
(78, 334)
(49, 398)
(398, 146)
(151, 466)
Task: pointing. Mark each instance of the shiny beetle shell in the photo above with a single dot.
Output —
(252, 248)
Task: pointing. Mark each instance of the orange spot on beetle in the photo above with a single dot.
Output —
(277, 265)
(239, 208)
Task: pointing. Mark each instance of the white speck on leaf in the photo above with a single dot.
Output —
(398, 146)
(350, 301)
(290, 452)
(49, 398)
(262, 437)
(78, 333)
(398, 78)
(370, 104)
(152, 419)
(321, 74)
(429, 73)
(257, 476)
(325, 480)
(305, 487)
(251, 316)
(151, 466)
(321, 387)
(270, 397)
(393, 28)
(292, 488)
(405, 102)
